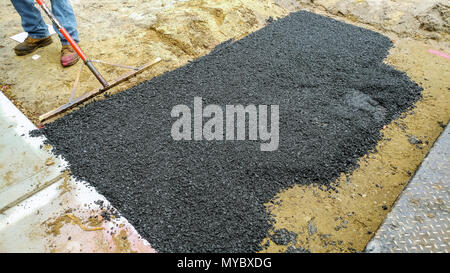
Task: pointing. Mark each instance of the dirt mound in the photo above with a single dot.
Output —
(411, 18)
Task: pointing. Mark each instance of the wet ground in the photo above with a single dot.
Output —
(42, 208)
(184, 31)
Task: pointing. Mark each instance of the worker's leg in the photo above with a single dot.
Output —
(64, 13)
(32, 21)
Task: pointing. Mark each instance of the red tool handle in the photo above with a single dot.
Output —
(72, 42)
(63, 31)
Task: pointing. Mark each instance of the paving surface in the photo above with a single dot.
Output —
(420, 222)
(175, 29)
(335, 94)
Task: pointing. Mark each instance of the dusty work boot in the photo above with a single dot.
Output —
(68, 56)
(31, 44)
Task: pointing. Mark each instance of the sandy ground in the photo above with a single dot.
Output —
(131, 32)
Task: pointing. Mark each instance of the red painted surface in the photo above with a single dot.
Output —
(439, 53)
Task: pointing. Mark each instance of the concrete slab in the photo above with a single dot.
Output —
(42, 208)
(24, 167)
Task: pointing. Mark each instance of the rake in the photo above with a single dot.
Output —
(90, 64)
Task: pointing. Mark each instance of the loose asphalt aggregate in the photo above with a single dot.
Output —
(334, 94)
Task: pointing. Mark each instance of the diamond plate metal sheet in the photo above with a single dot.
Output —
(419, 221)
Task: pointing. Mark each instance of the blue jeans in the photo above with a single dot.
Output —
(33, 23)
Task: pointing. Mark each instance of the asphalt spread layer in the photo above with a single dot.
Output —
(334, 94)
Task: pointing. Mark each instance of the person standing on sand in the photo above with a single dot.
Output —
(38, 35)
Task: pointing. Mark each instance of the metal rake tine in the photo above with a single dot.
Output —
(75, 85)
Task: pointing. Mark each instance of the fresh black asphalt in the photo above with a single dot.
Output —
(334, 94)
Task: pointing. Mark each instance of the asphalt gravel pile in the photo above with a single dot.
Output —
(334, 94)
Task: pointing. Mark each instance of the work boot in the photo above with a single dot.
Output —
(68, 56)
(31, 44)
